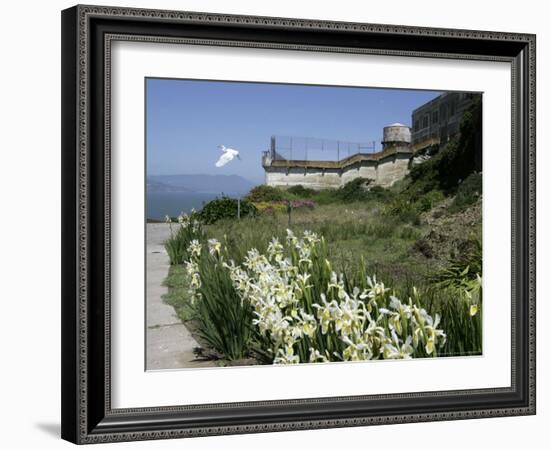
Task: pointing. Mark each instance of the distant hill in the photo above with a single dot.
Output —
(157, 186)
(211, 184)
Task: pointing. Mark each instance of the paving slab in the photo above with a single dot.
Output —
(169, 342)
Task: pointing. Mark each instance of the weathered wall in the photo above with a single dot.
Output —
(313, 178)
(392, 170)
(384, 172)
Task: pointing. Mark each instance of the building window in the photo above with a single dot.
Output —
(435, 117)
(425, 121)
(443, 113)
(416, 125)
(452, 109)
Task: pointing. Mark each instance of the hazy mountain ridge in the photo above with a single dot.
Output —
(216, 184)
(157, 186)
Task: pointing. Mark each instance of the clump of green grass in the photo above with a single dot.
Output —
(178, 293)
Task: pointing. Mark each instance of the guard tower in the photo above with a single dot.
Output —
(397, 137)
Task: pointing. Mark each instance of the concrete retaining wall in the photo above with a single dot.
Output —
(384, 172)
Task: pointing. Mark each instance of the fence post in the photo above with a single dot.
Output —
(291, 149)
(289, 210)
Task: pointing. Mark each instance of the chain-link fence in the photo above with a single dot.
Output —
(315, 149)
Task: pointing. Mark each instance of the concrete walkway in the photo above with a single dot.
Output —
(169, 343)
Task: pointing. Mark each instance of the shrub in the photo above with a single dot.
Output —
(429, 200)
(226, 208)
(467, 193)
(424, 176)
(354, 190)
(301, 191)
(379, 193)
(265, 193)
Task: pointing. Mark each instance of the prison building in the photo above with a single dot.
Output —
(438, 121)
(384, 167)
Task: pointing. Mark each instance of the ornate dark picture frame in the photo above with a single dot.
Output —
(87, 33)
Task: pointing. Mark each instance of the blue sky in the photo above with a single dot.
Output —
(188, 119)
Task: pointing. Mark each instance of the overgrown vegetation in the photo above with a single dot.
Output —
(468, 192)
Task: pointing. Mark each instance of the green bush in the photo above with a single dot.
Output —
(379, 193)
(226, 208)
(424, 176)
(355, 190)
(301, 191)
(467, 193)
(265, 193)
(429, 200)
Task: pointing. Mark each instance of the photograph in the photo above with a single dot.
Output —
(273, 222)
(292, 223)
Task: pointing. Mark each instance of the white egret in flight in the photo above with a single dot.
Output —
(228, 155)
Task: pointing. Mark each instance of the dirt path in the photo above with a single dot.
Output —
(169, 344)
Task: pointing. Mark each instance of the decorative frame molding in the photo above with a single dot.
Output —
(87, 34)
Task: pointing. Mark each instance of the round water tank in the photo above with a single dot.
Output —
(397, 132)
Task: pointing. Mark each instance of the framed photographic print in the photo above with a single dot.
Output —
(282, 224)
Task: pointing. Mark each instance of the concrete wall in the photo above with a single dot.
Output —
(385, 172)
(312, 178)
